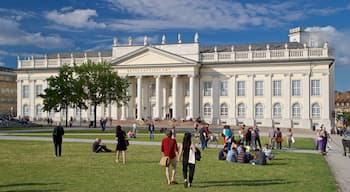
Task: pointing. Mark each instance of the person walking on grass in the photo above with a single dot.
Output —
(289, 138)
(187, 152)
(151, 131)
(57, 134)
(121, 145)
(169, 148)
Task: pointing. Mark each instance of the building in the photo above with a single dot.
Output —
(288, 84)
(342, 101)
(8, 91)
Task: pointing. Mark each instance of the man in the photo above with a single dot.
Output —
(272, 136)
(151, 131)
(169, 148)
(57, 133)
(223, 153)
(98, 147)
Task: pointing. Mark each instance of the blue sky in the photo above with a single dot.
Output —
(37, 27)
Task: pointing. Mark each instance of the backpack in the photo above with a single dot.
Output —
(197, 154)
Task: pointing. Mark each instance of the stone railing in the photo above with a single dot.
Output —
(265, 55)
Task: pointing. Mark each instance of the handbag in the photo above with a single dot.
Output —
(164, 161)
(126, 142)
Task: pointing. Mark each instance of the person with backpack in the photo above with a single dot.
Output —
(57, 133)
(188, 153)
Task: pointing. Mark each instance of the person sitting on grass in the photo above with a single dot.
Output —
(131, 134)
(259, 158)
(223, 153)
(242, 156)
(232, 153)
(98, 147)
(268, 153)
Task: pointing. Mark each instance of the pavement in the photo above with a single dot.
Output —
(338, 163)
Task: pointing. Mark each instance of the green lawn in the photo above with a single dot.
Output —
(31, 166)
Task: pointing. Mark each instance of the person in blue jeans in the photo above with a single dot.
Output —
(203, 138)
(151, 131)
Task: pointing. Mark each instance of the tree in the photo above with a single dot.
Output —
(102, 85)
(63, 90)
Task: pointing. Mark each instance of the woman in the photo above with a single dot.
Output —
(121, 145)
(289, 137)
(187, 151)
(279, 138)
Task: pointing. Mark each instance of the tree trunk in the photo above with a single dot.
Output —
(95, 106)
(66, 115)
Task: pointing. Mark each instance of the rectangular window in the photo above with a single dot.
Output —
(223, 87)
(315, 88)
(38, 90)
(296, 88)
(25, 91)
(240, 88)
(187, 88)
(259, 88)
(207, 88)
(276, 88)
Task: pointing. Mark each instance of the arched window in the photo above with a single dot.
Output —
(224, 109)
(316, 110)
(25, 110)
(241, 110)
(259, 111)
(296, 111)
(38, 111)
(207, 109)
(277, 111)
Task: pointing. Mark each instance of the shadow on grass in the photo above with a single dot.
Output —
(27, 185)
(219, 183)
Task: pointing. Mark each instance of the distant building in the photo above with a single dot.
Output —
(288, 84)
(8, 91)
(342, 101)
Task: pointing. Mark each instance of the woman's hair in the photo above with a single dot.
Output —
(186, 143)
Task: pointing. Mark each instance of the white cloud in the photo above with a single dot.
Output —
(12, 34)
(17, 15)
(339, 40)
(79, 18)
(209, 14)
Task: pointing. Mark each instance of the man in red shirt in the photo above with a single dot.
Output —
(169, 148)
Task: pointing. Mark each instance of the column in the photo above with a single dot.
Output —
(306, 106)
(131, 107)
(174, 96)
(268, 104)
(215, 100)
(326, 110)
(286, 93)
(32, 114)
(250, 102)
(165, 104)
(159, 97)
(139, 97)
(122, 117)
(232, 95)
(19, 98)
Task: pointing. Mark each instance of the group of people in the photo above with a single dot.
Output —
(322, 140)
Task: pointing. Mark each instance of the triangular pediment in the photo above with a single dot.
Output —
(150, 56)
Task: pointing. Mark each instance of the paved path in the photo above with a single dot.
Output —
(337, 162)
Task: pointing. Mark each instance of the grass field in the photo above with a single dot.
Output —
(31, 166)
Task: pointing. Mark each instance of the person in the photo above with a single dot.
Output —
(169, 148)
(259, 158)
(232, 153)
(203, 138)
(71, 122)
(279, 138)
(325, 141)
(121, 145)
(102, 123)
(98, 147)
(227, 135)
(267, 152)
(173, 136)
(242, 156)
(289, 138)
(257, 137)
(57, 134)
(248, 137)
(272, 136)
(151, 131)
(241, 135)
(187, 152)
(134, 129)
(223, 153)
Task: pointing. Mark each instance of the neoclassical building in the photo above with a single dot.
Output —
(289, 84)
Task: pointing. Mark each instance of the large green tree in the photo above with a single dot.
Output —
(102, 85)
(63, 91)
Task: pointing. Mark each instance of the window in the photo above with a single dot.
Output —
(25, 91)
(77, 112)
(276, 88)
(259, 88)
(224, 109)
(25, 110)
(38, 111)
(38, 90)
(296, 88)
(240, 88)
(296, 111)
(223, 91)
(207, 88)
(316, 110)
(315, 88)
(207, 110)
(241, 110)
(259, 111)
(277, 111)
(187, 88)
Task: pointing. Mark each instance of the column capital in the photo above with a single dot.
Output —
(174, 76)
(157, 76)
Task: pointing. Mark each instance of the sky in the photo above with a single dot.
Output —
(38, 27)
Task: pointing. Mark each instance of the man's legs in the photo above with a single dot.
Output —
(59, 149)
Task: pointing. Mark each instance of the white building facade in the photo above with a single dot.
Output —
(275, 84)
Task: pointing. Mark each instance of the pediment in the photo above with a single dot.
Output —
(150, 56)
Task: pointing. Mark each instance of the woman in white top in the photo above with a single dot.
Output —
(187, 152)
